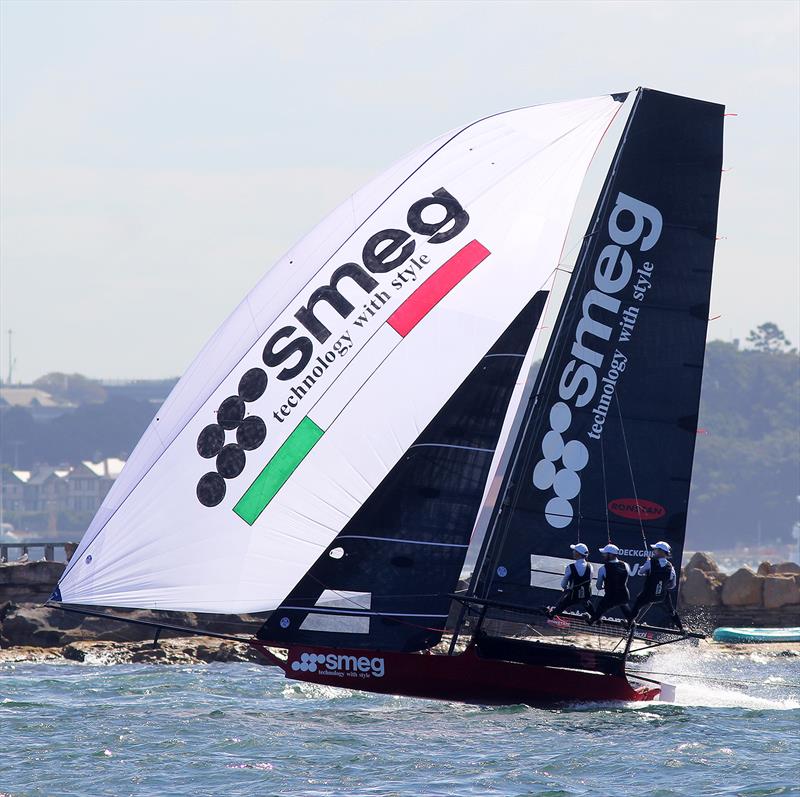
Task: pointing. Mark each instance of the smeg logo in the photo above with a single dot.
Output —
(250, 434)
(565, 482)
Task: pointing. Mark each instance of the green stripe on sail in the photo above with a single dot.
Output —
(278, 470)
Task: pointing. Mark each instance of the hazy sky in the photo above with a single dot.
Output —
(157, 158)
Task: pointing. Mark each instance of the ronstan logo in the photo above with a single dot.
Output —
(634, 509)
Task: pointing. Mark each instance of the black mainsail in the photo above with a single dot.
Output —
(607, 447)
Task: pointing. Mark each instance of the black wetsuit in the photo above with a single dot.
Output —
(656, 590)
(579, 590)
(616, 586)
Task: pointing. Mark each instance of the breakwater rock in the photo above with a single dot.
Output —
(32, 625)
(191, 650)
(768, 597)
(30, 582)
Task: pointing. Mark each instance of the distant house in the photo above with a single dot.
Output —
(44, 489)
(13, 488)
(50, 490)
(41, 404)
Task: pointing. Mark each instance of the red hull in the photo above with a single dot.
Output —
(465, 678)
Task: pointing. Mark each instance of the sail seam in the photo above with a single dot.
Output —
(323, 610)
(402, 542)
(452, 445)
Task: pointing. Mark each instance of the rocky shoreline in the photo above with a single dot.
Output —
(772, 586)
(193, 650)
(32, 632)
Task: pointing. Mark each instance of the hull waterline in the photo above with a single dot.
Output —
(464, 678)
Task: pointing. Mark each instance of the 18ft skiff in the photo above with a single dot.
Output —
(400, 430)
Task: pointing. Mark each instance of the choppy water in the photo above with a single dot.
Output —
(239, 729)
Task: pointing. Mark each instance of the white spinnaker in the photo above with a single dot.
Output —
(154, 545)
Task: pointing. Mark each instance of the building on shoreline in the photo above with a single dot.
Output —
(49, 498)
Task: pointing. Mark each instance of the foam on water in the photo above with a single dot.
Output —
(721, 680)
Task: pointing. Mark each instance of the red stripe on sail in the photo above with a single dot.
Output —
(436, 287)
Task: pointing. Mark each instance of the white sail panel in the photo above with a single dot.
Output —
(318, 383)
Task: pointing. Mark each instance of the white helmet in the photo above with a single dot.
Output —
(663, 546)
(610, 548)
(580, 548)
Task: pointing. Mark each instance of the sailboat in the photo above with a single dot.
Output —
(392, 441)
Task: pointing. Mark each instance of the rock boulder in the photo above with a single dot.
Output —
(701, 588)
(787, 567)
(29, 581)
(743, 588)
(781, 590)
(702, 561)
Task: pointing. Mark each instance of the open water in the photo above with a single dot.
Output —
(241, 729)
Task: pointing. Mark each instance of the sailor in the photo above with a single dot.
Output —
(660, 580)
(613, 577)
(576, 583)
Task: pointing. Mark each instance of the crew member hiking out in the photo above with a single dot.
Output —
(576, 583)
(613, 576)
(660, 580)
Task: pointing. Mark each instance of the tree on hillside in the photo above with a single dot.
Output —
(747, 465)
(769, 337)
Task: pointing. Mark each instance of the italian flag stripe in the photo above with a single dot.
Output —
(436, 287)
(278, 470)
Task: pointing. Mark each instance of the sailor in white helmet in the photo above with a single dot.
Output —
(613, 578)
(576, 583)
(660, 580)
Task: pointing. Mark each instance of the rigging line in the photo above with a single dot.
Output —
(149, 623)
(630, 470)
(605, 490)
(451, 445)
(402, 542)
(362, 612)
(790, 685)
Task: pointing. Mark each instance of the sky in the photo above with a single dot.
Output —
(157, 158)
